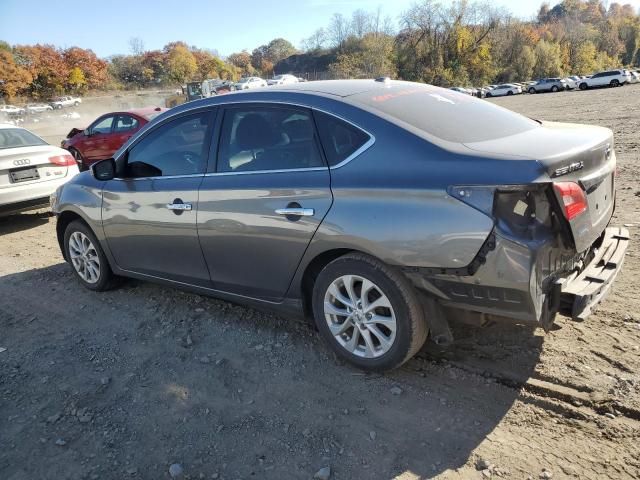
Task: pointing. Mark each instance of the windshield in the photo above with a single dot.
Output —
(278, 77)
(444, 114)
(17, 137)
(244, 80)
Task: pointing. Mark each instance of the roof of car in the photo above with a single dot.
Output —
(143, 112)
(340, 88)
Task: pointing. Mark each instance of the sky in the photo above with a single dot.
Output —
(226, 26)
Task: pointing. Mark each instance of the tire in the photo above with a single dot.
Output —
(583, 86)
(81, 244)
(532, 91)
(376, 347)
(79, 159)
(488, 95)
(75, 104)
(509, 93)
(554, 89)
(614, 83)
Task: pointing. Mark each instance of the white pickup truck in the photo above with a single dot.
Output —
(62, 102)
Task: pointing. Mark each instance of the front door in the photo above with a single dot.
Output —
(149, 213)
(263, 200)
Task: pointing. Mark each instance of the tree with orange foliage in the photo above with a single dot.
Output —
(13, 78)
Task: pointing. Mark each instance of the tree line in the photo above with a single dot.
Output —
(458, 43)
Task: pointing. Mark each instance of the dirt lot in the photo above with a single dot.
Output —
(123, 384)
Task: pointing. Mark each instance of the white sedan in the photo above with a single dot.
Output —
(506, 89)
(30, 170)
(38, 108)
(285, 79)
(12, 110)
(247, 83)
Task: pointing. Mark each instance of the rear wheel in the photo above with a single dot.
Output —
(368, 312)
(554, 89)
(84, 253)
(532, 90)
(615, 83)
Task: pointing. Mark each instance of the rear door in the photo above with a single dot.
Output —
(263, 199)
(149, 214)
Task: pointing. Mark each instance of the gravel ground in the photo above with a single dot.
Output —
(148, 382)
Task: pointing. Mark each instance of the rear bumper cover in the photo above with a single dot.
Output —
(518, 280)
(581, 292)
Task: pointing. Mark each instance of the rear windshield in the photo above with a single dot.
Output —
(445, 114)
(17, 137)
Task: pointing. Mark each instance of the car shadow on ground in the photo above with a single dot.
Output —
(144, 376)
(23, 221)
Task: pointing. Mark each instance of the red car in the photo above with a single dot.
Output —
(106, 134)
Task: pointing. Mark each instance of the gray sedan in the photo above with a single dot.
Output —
(548, 85)
(381, 209)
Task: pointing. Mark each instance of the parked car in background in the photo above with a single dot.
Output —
(285, 79)
(634, 77)
(248, 83)
(610, 78)
(466, 91)
(572, 82)
(12, 110)
(491, 216)
(30, 170)
(32, 108)
(547, 85)
(64, 102)
(502, 90)
(106, 134)
(215, 87)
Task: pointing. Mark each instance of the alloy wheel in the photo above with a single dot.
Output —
(360, 316)
(84, 257)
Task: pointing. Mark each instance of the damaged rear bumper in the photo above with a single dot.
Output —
(579, 293)
(528, 282)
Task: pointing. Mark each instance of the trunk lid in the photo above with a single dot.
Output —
(28, 165)
(569, 153)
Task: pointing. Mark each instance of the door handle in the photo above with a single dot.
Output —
(180, 206)
(296, 212)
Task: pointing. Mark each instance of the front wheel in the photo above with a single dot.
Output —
(532, 90)
(488, 95)
(79, 159)
(84, 253)
(583, 86)
(509, 93)
(368, 312)
(554, 89)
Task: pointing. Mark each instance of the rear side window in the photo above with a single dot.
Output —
(339, 139)
(267, 138)
(125, 123)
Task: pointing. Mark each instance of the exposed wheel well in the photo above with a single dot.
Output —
(64, 219)
(311, 273)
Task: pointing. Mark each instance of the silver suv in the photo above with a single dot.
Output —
(548, 85)
(380, 209)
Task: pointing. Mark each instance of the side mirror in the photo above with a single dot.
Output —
(104, 169)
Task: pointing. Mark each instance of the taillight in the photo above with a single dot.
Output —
(63, 160)
(574, 201)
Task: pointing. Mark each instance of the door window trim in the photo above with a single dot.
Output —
(213, 114)
(218, 128)
(212, 170)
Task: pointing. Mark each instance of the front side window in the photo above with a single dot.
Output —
(267, 138)
(178, 147)
(339, 139)
(125, 123)
(103, 125)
